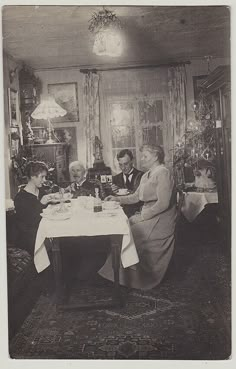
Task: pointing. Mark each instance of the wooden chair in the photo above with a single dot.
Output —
(174, 265)
(179, 203)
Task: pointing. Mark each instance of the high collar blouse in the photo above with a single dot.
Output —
(155, 190)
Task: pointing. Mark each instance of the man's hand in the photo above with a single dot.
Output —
(112, 198)
(114, 188)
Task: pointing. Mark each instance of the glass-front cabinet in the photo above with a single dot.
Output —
(217, 87)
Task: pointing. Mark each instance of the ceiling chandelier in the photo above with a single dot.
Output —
(106, 27)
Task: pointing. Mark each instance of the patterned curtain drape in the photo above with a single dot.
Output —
(177, 101)
(91, 113)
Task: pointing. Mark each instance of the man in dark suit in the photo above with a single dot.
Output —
(129, 178)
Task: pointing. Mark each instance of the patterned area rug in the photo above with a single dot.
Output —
(181, 319)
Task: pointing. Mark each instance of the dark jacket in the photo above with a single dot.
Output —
(87, 188)
(118, 180)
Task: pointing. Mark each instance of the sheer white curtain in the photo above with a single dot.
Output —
(134, 101)
(177, 111)
(91, 113)
(177, 101)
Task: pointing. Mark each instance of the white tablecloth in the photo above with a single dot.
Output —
(85, 223)
(194, 203)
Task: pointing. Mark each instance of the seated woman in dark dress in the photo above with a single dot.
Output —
(29, 204)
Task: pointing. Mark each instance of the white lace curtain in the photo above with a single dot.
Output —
(177, 101)
(91, 113)
(177, 111)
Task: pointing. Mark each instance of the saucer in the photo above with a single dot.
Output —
(122, 192)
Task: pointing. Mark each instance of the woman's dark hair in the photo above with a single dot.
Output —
(124, 152)
(155, 149)
(34, 168)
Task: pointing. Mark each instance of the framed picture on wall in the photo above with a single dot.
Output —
(66, 95)
(13, 107)
(68, 136)
(15, 129)
(197, 81)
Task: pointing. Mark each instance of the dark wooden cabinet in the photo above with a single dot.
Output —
(56, 155)
(217, 87)
(30, 89)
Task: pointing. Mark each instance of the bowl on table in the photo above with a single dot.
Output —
(56, 197)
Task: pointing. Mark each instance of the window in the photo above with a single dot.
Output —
(134, 122)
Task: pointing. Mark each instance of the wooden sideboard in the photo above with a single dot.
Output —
(56, 155)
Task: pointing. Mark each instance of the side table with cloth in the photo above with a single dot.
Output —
(84, 222)
(195, 202)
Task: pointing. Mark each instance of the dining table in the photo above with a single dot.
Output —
(79, 220)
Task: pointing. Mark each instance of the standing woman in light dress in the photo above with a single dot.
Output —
(152, 228)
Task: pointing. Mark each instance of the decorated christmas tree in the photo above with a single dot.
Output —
(197, 147)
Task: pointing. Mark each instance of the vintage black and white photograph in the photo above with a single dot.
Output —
(117, 170)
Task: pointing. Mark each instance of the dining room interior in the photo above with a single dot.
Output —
(88, 91)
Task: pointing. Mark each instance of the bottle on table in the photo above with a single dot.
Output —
(97, 201)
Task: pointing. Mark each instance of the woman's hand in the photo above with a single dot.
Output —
(112, 198)
(46, 199)
(136, 218)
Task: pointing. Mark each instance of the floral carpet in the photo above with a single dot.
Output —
(186, 318)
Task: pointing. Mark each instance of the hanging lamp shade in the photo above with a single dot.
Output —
(105, 26)
(48, 109)
(108, 42)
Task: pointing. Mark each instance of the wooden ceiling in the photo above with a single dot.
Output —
(58, 36)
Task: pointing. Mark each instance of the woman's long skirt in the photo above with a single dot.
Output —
(154, 241)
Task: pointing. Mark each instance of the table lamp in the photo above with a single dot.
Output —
(48, 109)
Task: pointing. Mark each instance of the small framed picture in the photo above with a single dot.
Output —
(15, 129)
(197, 81)
(13, 107)
(109, 178)
(67, 135)
(66, 95)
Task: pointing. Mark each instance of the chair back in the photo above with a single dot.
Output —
(179, 201)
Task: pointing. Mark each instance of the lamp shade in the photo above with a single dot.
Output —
(48, 109)
(108, 42)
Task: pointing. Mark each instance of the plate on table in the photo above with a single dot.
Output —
(52, 212)
(107, 213)
(57, 215)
